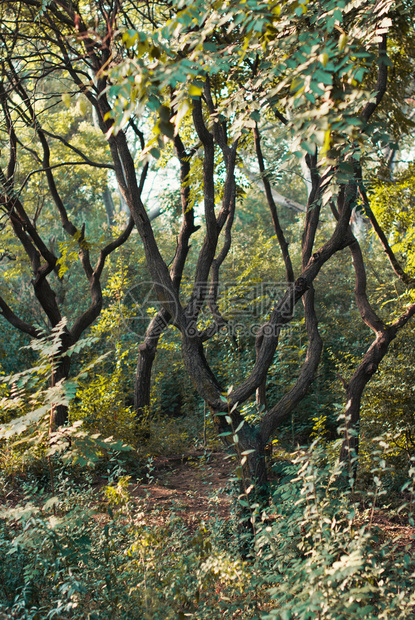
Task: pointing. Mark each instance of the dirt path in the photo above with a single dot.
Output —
(193, 486)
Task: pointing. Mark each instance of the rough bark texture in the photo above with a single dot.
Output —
(146, 354)
(60, 413)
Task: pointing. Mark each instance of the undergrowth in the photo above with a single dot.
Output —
(69, 550)
(317, 553)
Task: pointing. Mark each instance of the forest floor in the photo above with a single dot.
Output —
(196, 487)
(193, 486)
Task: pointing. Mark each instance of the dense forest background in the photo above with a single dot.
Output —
(207, 273)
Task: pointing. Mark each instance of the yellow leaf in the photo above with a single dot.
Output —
(81, 107)
(296, 83)
(194, 91)
(324, 58)
(343, 41)
(327, 140)
(66, 98)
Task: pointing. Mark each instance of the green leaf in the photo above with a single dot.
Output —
(155, 152)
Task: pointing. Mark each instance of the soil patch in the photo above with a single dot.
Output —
(194, 486)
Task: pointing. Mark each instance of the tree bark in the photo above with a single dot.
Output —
(370, 362)
(60, 413)
(146, 354)
(147, 350)
(355, 388)
(109, 206)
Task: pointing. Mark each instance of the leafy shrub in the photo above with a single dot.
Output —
(68, 558)
(323, 558)
(388, 411)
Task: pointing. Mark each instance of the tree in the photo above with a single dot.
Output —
(207, 80)
(31, 185)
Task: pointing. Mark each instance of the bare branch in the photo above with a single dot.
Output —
(14, 320)
(86, 159)
(399, 271)
(272, 207)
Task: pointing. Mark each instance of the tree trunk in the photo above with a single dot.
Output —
(253, 488)
(109, 206)
(254, 470)
(354, 392)
(60, 413)
(261, 395)
(146, 354)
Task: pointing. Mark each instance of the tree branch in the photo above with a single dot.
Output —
(380, 88)
(397, 268)
(14, 320)
(272, 207)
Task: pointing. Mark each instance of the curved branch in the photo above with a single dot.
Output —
(138, 133)
(89, 316)
(380, 87)
(86, 159)
(313, 210)
(11, 166)
(18, 214)
(367, 313)
(362, 375)
(66, 163)
(273, 418)
(396, 266)
(121, 239)
(283, 311)
(14, 320)
(272, 207)
(219, 320)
